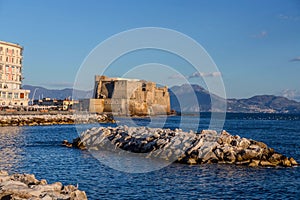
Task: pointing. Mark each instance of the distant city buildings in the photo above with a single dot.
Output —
(55, 104)
(11, 92)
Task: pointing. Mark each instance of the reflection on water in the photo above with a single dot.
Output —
(11, 142)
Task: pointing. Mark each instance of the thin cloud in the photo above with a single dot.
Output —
(297, 59)
(196, 75)
(177, 76)
(205, 74)
(260, 35)
(288, 17)
(290, 94)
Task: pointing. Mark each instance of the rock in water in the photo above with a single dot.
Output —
(26, 186)
(183, 147)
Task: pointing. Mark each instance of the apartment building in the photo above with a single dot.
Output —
(11, 92)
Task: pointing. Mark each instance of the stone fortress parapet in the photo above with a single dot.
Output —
(123, 96)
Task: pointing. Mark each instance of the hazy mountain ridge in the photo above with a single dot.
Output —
(194, 98)
(255, 104)
(264, 103)
(41, 92)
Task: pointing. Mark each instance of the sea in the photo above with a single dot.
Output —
(38, 150)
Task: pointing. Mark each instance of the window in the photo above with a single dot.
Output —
(13, 51)
(144, 87)
(0, 58)
(6, 59)
(16, 95)
(22, 95)
(6, 50)
(3, 94)
(1, 48)
(9, 95)
(12, 60)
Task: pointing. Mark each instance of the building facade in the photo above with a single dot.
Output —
(128, 97)
(11, 92)
(55, 104)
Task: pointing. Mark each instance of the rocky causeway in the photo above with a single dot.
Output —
(48, 119)
(208, 146)
(26, 186)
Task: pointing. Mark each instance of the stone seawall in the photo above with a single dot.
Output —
(26, 186)
(182, 147)
(47, 119)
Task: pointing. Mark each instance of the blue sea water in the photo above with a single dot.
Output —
(38, 150)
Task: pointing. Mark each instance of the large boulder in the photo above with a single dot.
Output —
(184, 147)
(26, 186)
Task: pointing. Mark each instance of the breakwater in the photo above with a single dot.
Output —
(51, 119)
(26, 186)
(184, 147)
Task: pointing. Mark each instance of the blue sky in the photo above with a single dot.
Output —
(255, 44)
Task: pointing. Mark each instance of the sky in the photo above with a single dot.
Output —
(254, 44)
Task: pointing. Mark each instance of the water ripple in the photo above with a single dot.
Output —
(37, 150)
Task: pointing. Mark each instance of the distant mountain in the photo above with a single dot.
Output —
(192, 98)
(41, 92)
(183, 100)
(264, 103)
(256, 104)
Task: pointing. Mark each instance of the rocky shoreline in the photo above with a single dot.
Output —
(47, 119)
(184, 147)
(26, 186)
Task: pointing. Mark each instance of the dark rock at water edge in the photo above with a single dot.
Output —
(184, 147)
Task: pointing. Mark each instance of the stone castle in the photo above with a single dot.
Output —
(128, 97)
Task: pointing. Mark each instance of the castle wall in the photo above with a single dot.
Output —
(91, 105)
(96, 105)
(131, 97)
